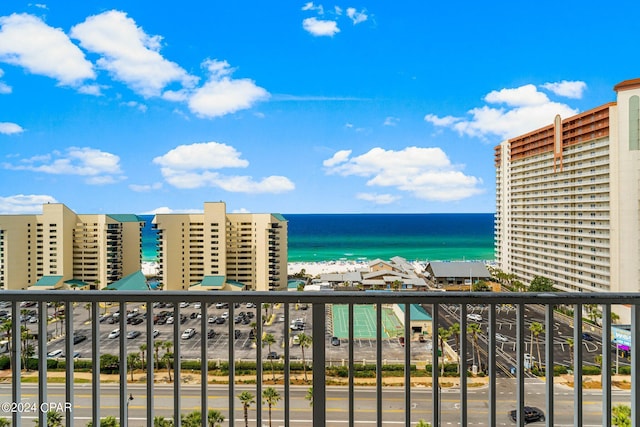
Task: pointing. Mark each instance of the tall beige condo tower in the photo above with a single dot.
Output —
(232, 250)
(60, 249)
(568, 199)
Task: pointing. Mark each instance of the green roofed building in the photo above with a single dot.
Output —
(133, 282)
(82, 250)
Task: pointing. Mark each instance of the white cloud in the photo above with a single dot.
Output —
(99, 167)
(356, 17)
(168, 210)
(204, 155)
(192, 166)
(311, 6)
(391, 121)
(338, 10)
(425, 173)
(319, 27)
(4, 88)
(40, 6)
(133, 104)
(128, 53)
(21, 204)
(26, 41)
(10, 128)
(525, 109)
(241, 210)
(378, 199)
(143, 188)
(568, 89)
(339, 157)
(222, 95)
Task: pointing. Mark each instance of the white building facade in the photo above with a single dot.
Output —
(568, 199)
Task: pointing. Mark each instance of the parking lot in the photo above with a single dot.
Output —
(216, 333)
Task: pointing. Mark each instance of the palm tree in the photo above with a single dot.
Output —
(443, 335)
(6, 328)
(156, 347)
(474, 329)
(109, 421)
(309, 396)
(423, 423)
(247, 399)
(304, 341)
(536, 329)
(143, 351)
(132, 361)
(455, 333)
(214, 418)
(54, 419)
(396, 285)
(168, 356)
(268, 340)
(270, 396)
(4, 422)
(159, 421)
(88, 307)
(570, 344)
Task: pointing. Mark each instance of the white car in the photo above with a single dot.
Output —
(156, 333)
(54, 354)
(114, 334)
(474, 317)
(188, 333)
(169, 320)
(197, 305)
(184, 304)
(501, 338)
(225, 315)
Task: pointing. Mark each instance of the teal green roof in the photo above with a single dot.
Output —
(133, 282)
(213, 281)
(126, 217)
(236, 284)
(74, 283)
(279, 217)
(417, 312)
(48, 281)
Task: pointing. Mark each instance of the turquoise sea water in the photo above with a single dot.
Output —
(332, 237)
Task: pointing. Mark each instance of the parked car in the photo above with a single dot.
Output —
(54, 354)
(272, 356)
(197, 305)
(133, 334)
(211, 333)
(501, 338)
(114, 334)
(212, 319)
(474, 317)
(188, 333)
(220, 320)
(587, 337)
(335, 341)
(225, 315)
(237, 334)
(156, 333)
(136, 321)
(184, 304)
(78, 338)
(531, 414)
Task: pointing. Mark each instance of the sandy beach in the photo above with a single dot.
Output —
(316, 268)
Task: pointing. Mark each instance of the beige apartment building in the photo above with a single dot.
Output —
(568, 199)
(60, 249)
(220, 250)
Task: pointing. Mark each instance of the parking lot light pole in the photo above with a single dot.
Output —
(127, 417)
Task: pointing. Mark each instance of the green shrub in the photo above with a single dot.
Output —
(591, 370)
(559, 370)
(5, 363)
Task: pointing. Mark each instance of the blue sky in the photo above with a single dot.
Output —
(121, 106)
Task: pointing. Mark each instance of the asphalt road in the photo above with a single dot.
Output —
(336, 403)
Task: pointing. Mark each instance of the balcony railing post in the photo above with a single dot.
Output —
(42, 358)
(520, 373)
(319, 365)
(635, 367)
(95, 361)
(69, 349)
(124, 407)
(16, 361)
(379, 364)
(549, 361)
(435, 382)
(577, 364)
(606, 365)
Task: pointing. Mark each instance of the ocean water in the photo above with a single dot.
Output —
(333, 237)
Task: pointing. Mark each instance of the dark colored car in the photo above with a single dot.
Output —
(335, 341)
(531, 414)
(237, 334)
(136, 321)
(272, 356)
(211, 333)
(79, 338)
(220, 320)
(587, 337)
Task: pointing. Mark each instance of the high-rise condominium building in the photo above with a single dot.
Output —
(568, 199)
(62, 249)
(217, 250)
